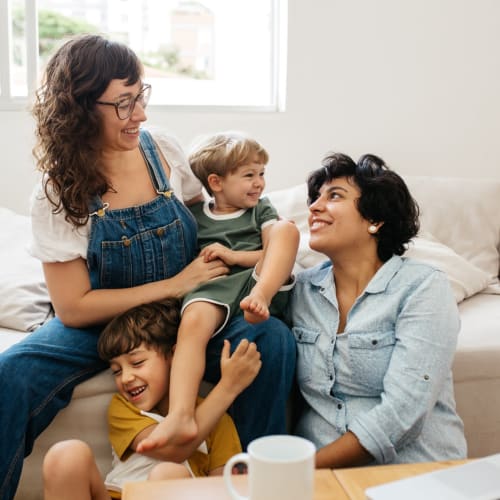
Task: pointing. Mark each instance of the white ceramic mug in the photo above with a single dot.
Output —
(279, 468)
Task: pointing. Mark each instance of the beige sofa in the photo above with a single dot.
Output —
(460, 234)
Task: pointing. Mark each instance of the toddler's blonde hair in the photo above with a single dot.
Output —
(222, 154)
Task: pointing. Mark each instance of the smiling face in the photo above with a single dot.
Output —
(241, 188)
(336, 226)
(142, 376)
(120, 135)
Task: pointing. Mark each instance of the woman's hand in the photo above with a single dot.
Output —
(196, 273)
(346, 451)
(78, 305)
(217, 251)
(243, 258)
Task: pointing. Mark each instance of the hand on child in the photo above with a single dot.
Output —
(239, 369)
(218, 251)
(199, 271)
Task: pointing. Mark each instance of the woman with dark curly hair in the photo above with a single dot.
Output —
(376, 332)
(112, 230)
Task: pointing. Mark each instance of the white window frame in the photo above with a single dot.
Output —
(10, 102)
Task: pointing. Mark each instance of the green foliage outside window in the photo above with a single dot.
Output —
(53, 28)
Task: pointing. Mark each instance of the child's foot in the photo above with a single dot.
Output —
(176, 429)
(255, 307)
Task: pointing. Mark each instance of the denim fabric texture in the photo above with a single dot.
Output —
(387, 378)
(127, 247)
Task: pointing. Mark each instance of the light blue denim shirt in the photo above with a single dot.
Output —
(388, 377)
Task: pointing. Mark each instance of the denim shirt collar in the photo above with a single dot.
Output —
(323, 278)
(384, 275)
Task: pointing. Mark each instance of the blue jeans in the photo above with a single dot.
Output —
(38, 375)
(260, 409)
(128, 247)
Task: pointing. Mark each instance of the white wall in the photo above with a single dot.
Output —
(414, 81)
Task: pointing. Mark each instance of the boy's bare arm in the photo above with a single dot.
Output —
(237, 372)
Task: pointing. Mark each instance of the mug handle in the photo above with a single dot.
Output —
(236, 459)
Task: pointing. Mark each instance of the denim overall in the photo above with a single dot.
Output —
(129, 247)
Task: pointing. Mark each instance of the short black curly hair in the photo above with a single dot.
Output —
(384, 198)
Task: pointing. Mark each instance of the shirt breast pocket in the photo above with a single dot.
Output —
(306, 352)
(370, 354)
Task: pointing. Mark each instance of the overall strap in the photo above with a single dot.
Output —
(155, 167)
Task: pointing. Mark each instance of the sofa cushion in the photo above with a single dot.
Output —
(479, 339)
(463, 214)
(24, 299)
(465, 278)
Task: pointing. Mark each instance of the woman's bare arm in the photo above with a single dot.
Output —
(344, 452)
(78, 305)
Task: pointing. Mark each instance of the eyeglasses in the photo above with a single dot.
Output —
(125, 107)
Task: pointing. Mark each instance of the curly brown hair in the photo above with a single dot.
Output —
(68, 127)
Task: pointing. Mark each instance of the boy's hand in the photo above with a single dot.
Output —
(218, 251)
(239, 369)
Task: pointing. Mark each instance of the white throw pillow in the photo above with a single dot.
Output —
(465, 278)
(463, 214)
(24, 299)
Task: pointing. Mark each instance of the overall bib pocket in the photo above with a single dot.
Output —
(148, 256)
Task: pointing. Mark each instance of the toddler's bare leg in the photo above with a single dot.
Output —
(198, 323)
(70, 471)
(273, 269)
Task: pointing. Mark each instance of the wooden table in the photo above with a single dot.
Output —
(212, 488)
(340, 484)
(355, 481)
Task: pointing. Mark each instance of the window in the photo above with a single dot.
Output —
(195, 53)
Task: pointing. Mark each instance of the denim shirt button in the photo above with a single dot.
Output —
(160, 231)
(426, 377)
(339, 406)
(331, 377)
(374, 342)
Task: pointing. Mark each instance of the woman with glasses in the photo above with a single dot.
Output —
(112, 231)
(376, 332)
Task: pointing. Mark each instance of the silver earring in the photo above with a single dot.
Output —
(372, 229)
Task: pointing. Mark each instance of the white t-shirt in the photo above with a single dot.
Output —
(137, 467)
(56, 240)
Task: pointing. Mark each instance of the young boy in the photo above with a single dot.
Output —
(139, 345)
(243, 230)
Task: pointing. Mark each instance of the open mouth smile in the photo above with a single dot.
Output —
(136, 391)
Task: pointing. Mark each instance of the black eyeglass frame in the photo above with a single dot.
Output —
(133, 101)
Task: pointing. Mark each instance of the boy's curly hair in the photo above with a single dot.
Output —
(154, 325)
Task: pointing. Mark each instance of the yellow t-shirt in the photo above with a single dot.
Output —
(125, 421)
